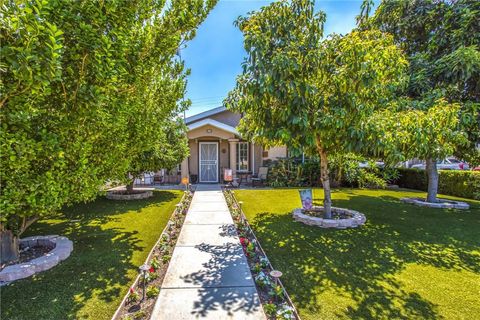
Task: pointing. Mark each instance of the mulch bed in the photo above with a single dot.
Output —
(319, 214)
(30, 253)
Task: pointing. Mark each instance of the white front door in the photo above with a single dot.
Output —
(208, 161)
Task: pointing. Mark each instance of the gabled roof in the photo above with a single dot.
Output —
(213, 123)
(205, 114)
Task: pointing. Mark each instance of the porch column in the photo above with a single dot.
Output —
(233, 156)
(184, 168)
(253, 158)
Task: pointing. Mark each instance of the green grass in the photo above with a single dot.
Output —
(406, 262)
(111, 239)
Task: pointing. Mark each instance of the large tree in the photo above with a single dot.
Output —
(169, 150)
(300, 89)
(83, 86)
(442, 43)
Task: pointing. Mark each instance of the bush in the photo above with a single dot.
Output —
(292, 173)
(152, 292)
(465, 184)
(344, 171)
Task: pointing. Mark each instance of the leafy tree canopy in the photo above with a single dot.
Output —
(85, 87)
(442, 42)
(299, 89)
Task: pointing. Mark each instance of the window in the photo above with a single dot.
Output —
(242, 156)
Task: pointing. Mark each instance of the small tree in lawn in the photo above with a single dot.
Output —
(170, 149)
(442, 45)
(427, 130)
(303, 91)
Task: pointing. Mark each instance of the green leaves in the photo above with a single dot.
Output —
(297, 86)
(442, 43)
(89, 91)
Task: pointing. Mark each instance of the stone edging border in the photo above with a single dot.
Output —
(356, 220)
(62, 250)
(443, 204)
(112, 195)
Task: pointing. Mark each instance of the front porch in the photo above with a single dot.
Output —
(215, 146)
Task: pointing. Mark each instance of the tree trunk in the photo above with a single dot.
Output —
(9, 250)
(129, 186)
(327, 202)
(432, 173)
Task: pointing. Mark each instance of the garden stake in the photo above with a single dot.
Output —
(144, 268)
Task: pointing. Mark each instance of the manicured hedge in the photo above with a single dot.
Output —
(458, 183)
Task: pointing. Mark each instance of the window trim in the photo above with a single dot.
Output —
(238, 156)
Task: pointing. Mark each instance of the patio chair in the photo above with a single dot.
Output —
(228, 177)
(158, 179)
(261, 177)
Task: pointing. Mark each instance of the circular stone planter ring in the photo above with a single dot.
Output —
(441, 204)
(137, 195)
(61, 251)
(355, 218)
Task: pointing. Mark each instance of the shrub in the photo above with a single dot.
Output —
(152, 292)
(344, 171)
(465, 184)
(139, 315)
(166, 258)
(270, 309)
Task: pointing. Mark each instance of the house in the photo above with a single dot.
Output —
(215, 145)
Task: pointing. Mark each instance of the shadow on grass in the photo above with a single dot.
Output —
(100, 266)
(362, 261)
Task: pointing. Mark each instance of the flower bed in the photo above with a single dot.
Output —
(133, 306)
(275, 300)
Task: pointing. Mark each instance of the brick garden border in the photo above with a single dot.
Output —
(61, 251)
(441, 204)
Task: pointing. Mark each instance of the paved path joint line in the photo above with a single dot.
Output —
(208, 276)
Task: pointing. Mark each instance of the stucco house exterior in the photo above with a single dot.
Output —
(215, 145)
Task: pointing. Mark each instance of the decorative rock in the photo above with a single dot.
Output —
(114, 195)
(442, 204)
(62, 249)
(44, 263)
(17, 271)
(354, 221)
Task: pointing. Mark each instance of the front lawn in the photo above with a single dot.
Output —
(110, 240)
(406, 262)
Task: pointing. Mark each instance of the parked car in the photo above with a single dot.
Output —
(446, 164)
(366, 164)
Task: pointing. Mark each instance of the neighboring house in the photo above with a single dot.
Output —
(215, 145)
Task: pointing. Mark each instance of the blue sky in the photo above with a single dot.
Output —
(216, 53)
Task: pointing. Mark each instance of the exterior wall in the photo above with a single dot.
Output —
(193, 158)
(224, 153)
(227, 117)
(209, 131)
(255, 157)
(276, 152)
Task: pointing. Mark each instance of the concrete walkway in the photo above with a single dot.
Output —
(208, 276)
